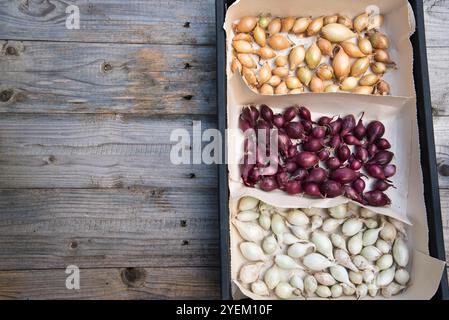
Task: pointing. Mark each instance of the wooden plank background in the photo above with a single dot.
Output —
(84, 145)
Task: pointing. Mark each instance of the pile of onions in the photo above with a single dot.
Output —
(322, 159)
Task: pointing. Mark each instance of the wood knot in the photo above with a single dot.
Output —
(186, 24)
(443, 169)
(11, 51)
(6, 95)
(73, 244)
(188, 97)
(106, 67)
(36, 8)
(187, 65)
(133, 277)
(183, 223)
(51, 159)
(192, 176)
(185, 242)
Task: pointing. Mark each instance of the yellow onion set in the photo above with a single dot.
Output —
(346, 55)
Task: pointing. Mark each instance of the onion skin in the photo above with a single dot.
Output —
(375, 171)
(333, 163)
(360, 129)
(383, 144)
(343, 153)
(375, 130)
(279, 42)
(344, 175)
(361, 154)
(323, 155)
(389, 170)
(300, 174)
(335, 32)
(313, 145)
(341, 64)
(274, 26)
(331, 189)
(312, 189)
(324, 121)
(291, 167)
(352, 50)
(290, 113)
(245, 170)
(325, 47)
(294, 130)
(266, 113)
(335, 126)
(377, 199)
(244, 124)
(250, 114)
(282, 179)
(347, 125)
(381, 185)
(307, 159)
(319, 132)
(315, 26)
(372, 149)
(301, 25)
(284, 143)
(335, 142)
(316, 84)
(308, 126)
(355, 165)
(305, 114)
(293, 151)
(293, 187)
(278, 121)
(268, 184)
(317, 175)
(287, 24)
(247, 24)
(352, 194)
(359, 185)
(352, 141)
(382, 158)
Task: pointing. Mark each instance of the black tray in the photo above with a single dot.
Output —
(426, 137)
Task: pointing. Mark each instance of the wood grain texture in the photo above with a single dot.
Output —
(444, 194)
(113, 283)
(95, 151)
(111, 21)
(436, 13)
(151, 227)
(106, 78)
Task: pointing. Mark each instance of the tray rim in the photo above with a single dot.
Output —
(426, 138)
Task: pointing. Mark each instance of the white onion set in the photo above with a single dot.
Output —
(289, 254)
(346, 54)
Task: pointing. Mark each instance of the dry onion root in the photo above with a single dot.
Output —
(288, 255)
(344, 50)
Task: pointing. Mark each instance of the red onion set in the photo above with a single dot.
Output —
(323, 159)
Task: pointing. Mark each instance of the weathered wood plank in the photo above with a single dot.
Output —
(113, 283)
(142, 21)
(441, 127)
(104, 78)
(48, 228)
(436, 13)
(444, 195)
(438, 68)
(95, 151)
